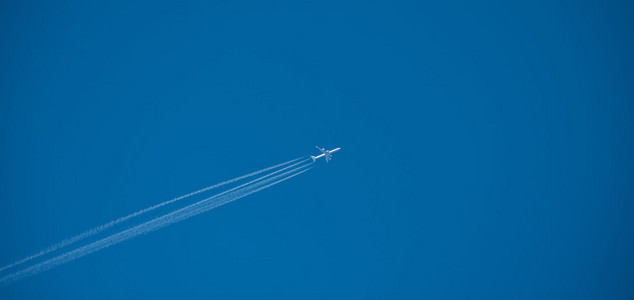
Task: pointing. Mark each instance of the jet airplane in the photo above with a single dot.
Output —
(325, 153)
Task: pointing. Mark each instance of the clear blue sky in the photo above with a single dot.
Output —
(486, 147)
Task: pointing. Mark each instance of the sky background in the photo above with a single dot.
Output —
(486, 147)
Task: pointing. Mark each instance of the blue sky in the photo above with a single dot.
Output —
(486, 147)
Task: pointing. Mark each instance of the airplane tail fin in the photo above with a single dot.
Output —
(313, 158)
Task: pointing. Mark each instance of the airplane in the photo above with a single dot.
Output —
(326, 153)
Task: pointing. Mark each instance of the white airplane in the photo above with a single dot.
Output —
(326, 153)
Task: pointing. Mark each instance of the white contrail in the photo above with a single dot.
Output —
(204, 205)
(154, 224)
(108, 225)
(247, 187)
(159, 222)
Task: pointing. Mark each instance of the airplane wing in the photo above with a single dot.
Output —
(323, 150)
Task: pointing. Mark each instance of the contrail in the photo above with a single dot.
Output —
(98, 229)
(161, 221)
